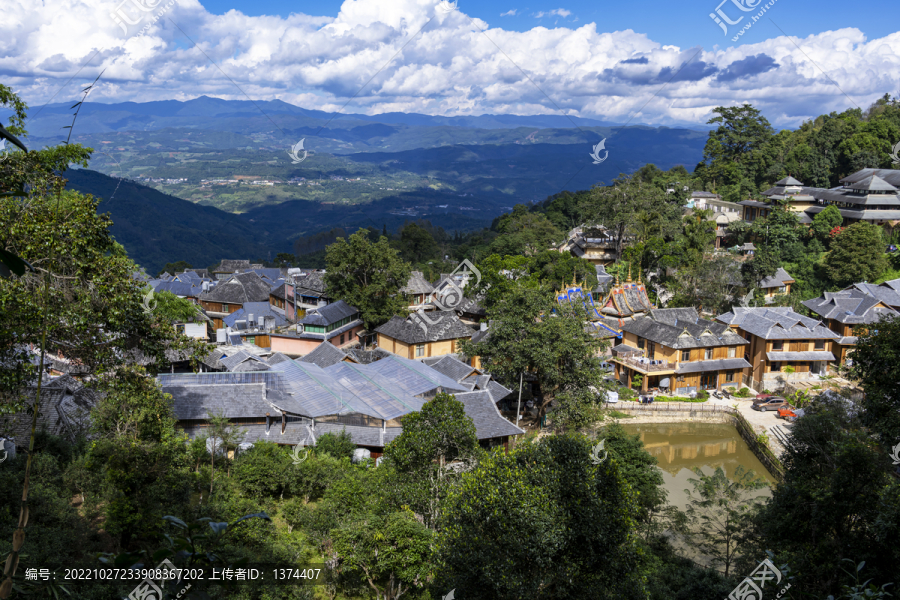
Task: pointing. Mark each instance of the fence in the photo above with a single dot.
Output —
(673, 407)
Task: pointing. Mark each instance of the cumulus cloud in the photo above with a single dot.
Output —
(407, 55)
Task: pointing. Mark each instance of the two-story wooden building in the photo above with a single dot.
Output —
(423, 335)
(674, 349)
(337, 323)
(784, 345)
(849, 313)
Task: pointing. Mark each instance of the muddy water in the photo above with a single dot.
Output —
(679, 447)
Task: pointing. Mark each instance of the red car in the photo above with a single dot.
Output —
(786, 413)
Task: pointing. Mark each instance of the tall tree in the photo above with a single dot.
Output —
(741, 129)
(368, 276)
(824, 222)
(529, 333)
(719, 508)
(540, 522)
(876, 365)
(857, 254)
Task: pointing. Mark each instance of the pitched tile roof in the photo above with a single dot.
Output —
(780, 278)
(436, 326)
(702, 366)
(239, 288)
(232, 265)
(453, 368)
(417, 284)
(850, 306)
(235, 401)
(325, 355)
(258, 310)
(328, 314)
(682, 328)
(887, 292)
(776, 323)
(807, 355)
(230, 363)
(489, 423)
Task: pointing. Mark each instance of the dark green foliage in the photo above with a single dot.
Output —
(857, 254)
(876, 365)
(540, 522)
(338, 445)
(837, 501)
(824, 222)
(173, 268)
(263, 470)
(637, 466)
(367, 275)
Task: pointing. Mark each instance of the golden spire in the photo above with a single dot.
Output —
(617, 278)
(639, 276)
(574, 273)
(629, 273)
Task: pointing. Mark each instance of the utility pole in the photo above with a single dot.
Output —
(519, 407)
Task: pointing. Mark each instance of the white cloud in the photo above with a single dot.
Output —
(510, 13)
(405, 55)
(559, 12)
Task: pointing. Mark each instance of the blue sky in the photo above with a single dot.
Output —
(685, 23)
(662, 63)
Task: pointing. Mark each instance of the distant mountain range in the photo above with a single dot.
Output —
(224, 178)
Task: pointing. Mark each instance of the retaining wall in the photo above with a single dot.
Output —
(678, 412)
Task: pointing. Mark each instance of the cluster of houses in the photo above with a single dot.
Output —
(292, 363)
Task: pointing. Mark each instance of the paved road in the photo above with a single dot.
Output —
(761, 421)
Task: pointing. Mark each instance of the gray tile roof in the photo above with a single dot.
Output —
(489, 423)
(258, 310)
(277, 358)
(810, 355)
(788, 181)
(497, 391)
(325, 355)
(776, 323)
(452, 367)
(780, 278)
(439, 325)
(239, 288)
(232, 265)
(235, 401)
(703, 366)
(850, 306)
(185, 290)
(887, 292)
(417, 284)
(328, 314)
(231, 363)
(682, 328)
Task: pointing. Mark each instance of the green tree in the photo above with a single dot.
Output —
(540, 522)
(173, 308)
(720, 510)
(857, 254)
(876, 365)
(368, 276)
(824, 222)
(417, 244)
(713, 285)
(391, 553)
(524, 232)
(173, 268)
(531, 334)
(223, 436)
(338, 445)
(263, 471)
(637, 466)
(837, 501)
(132, 405)
(432, 438)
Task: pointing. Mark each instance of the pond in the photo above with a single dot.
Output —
(679, 447)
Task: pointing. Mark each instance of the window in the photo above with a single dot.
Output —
(729, 376)
(732, 352)
(707, 354)
(820, 344)
(224, 308)
(420, 350)
(777, 344)
(251, 339)
(342, 339)
(685, 355)
(776, 367)
(641, 343)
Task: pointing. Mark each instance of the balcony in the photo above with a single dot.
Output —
(645, 365)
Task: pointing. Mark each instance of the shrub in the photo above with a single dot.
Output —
(702, 395)
(743, 392)
(337, 445)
